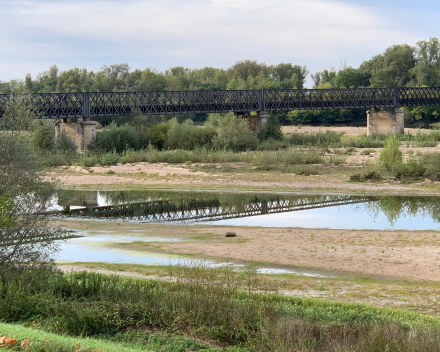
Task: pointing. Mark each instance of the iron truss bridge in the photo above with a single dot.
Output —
(210, 210)
(89, 105)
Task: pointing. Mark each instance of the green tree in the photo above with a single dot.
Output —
(428, 63)
(393, 68)
(20, 112)
(27, 238)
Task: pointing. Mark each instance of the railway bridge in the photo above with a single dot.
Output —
(384, 115)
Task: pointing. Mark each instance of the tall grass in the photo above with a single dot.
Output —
(210, 303)
(288, 156)
(391, 157)
(315, 139)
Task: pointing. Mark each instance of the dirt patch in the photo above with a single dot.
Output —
(161, 169)
(347, 131)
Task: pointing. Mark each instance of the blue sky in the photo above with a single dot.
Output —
(35, 34)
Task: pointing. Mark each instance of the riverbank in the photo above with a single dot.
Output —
(387, 255)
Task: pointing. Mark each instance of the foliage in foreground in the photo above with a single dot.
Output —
(130, 341)
(26, 238)
(207, 304)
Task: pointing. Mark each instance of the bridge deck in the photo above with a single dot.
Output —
(89, 105)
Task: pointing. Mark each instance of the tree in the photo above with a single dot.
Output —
(393, 68)
(20, 112)
(289, 76)
(26, 235)
(428, 63)
(324, 78)
(351, 78)
(246, 68)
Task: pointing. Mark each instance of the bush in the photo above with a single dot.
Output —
(64, 143)
(114, 138)
(109, 159)
(233, 133)
(430, 163)
(43, 136)
(272, 130)
(391, 157)
(158, 134)
(88, 160)
(187, 136)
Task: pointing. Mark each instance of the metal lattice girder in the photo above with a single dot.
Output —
(62, 105)
(53, 105)
(324, 99)
(419, 96)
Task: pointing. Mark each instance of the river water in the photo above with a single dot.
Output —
(232, 209)
(261, 209)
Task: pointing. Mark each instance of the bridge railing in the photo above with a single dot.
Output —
(63, 105)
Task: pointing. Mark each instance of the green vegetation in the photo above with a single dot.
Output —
(391, 156)
(130, 341)
(207, 304)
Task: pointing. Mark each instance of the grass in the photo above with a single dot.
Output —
(42, 341)
(417, 296)
(209, 305)
(298, 148)
(130, 341)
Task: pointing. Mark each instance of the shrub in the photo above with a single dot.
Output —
(88, 160)
(65, 144)
(187, 136)
(234, 133)
(391, 156)
(109, 158)
(430, 164)
(114, 138)
(43, 136)
(272, 130)
(158, 134)
(293, 156)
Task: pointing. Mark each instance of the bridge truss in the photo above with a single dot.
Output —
(90, 105)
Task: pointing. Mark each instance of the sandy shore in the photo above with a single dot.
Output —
(406, 255)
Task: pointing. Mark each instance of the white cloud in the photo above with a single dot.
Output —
(196, 32)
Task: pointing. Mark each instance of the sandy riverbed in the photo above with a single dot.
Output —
(412, 255)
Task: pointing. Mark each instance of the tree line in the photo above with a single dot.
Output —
(398, 66)
(120, 78)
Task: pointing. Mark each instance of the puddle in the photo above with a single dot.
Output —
(92, 249)
(124, 239)
(84, 250)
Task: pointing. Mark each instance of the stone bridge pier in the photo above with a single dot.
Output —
(385, 122)
(257, 123)
(82, 133)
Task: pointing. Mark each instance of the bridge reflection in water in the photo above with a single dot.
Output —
(181, 207)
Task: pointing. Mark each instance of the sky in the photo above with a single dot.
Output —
(35, 34)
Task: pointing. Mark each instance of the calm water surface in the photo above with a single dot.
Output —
(262, 209)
